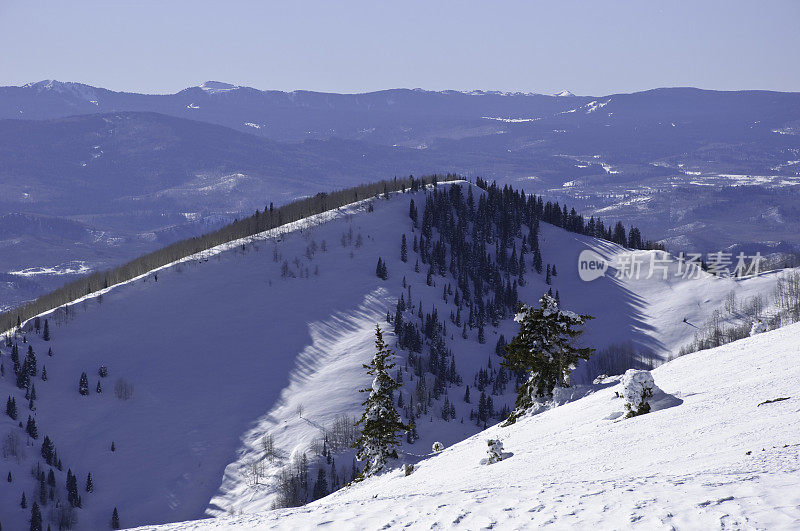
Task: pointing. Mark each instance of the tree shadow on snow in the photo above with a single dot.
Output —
(620, 331)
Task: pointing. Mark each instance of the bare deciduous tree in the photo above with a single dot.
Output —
(123, 389)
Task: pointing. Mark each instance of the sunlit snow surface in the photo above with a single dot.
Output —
(712, 458)
(222, 350)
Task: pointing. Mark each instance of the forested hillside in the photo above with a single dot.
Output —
(244, 359)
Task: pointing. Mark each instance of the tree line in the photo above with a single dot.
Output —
(270, 218)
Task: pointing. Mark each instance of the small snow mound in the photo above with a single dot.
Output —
(637, 388)
(494, 451)
(758, 327)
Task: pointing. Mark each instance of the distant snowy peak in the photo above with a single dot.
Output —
(479, 92)
(564, 94)
(217, 87)
(77, 90)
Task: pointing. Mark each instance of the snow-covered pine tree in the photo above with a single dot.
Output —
(380, 422)
(543, 348)
(83, 384)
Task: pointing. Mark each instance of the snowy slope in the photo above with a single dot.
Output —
(222, 350)
(714, 457)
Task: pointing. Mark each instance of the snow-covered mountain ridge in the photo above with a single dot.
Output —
(721, 457)
(267, 336)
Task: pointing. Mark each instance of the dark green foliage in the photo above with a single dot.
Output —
(115, 519)
(89, 483)
(27, 370)
(36, 518)
(321, 486)
(543, 349)
(83, 384)
(48, 450)
(11, 407)
(72, 489)
(380, 270)
(46, 332)
(15, 358)
(31, 429)
(380, 422)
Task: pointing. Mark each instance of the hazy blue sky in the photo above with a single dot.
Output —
(590, 47)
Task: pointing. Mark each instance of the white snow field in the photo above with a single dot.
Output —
(715, 456)
(230, 346)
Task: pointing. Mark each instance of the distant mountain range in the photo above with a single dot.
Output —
(134, 170)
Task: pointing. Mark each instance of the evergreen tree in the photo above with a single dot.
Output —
(31, 428)
(72, 489)
(619, 236)
(48, 449)
(321, 486)
(36, 518)
(115, 519)
(89, 483)
(11, 407)
(15, 358)
(403, 249)
(30, 361)
(46, 332)
(380, 270)
(23, 502)
(543, 349)
(83, 384)
(412, 212)
(380, 422)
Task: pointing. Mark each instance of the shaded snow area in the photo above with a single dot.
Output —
(266, 336)
(713, 459)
